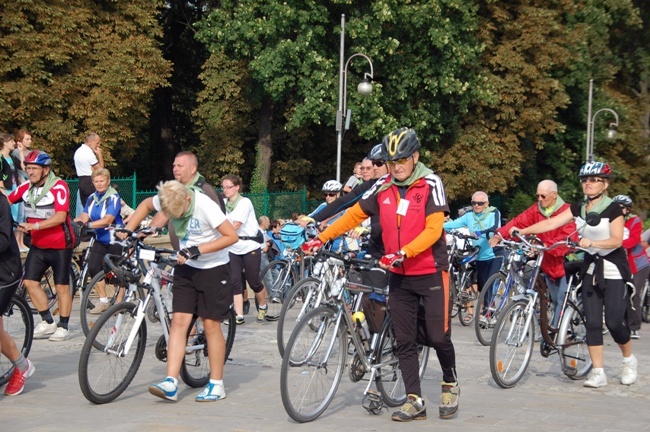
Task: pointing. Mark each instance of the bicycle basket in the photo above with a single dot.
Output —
(292, 235)
(124, 272)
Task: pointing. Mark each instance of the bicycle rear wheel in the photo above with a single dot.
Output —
(572, 343)
(467, 303)
(311, 372)
(489, 314)
(19, 324)
(114, 292)
(105, 373)
(278, 278)
(47, 284)
(453, 293)
(295, 305)
(389, 377)
(512, 345)
(195, 370)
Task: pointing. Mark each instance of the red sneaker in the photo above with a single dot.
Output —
(17, 380)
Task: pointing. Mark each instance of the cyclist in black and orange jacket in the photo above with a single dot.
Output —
(411, 205)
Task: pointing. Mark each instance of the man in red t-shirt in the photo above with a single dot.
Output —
(47, 206)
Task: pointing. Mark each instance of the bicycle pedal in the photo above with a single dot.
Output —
(373, 403)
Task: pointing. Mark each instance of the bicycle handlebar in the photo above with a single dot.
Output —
(541, 247)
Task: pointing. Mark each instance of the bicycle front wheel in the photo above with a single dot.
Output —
(572, 343)
(18, 322)
(297, 303)
(105, 371)
(389, 375)
(313, 365)
(488, 314)
(453, 293)
(512, 345)
(467, 303)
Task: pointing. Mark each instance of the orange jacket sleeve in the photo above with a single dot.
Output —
(431, 233)
(350, 219)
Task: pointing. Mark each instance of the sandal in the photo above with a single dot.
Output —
(468, 318)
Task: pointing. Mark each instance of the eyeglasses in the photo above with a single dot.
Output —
(542, 196)
(378, 164)
(478, 203)
(398, 161)
(228, 187)
(332, 194)
(365, 168)
(591, 180)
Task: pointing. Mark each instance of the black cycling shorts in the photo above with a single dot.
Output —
(203, 292)
(39, 260)
(6, 293)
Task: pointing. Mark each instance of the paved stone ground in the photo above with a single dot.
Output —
(543, 400)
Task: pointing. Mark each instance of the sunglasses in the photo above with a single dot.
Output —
(378, 164)
(333, 194)
(478, 203)
(398, 161)
(592, 180)
(542, 196)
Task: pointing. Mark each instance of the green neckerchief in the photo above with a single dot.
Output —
(192, 184)
(180, 224)
(598, 208)
(418, 172)
(480, 218)
(230, 206)
(32, 199)
(548, 211)
(109, 192)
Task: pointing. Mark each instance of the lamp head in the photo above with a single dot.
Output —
(611, 132)
(364, 88)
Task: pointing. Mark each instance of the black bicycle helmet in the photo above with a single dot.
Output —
(399, 144)
(623, 200)
(377, 153)
(596, 169)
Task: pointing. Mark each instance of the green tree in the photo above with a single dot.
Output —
(70, 67)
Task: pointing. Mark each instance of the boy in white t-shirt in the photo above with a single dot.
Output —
(201, 280)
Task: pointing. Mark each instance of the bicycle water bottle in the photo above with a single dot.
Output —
(337, 286)
(362, 329)
(317, 268)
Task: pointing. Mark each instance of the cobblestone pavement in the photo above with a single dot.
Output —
(543, 400)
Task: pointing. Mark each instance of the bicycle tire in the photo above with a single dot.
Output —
(18, 322)
(90, 297)
(572, 343)
(485, 327)
(308, 381)
(47, 284)
(453, 293)
(195, 370)
(281, 284)
(389, 379)
(468, 301)
(292, 310)
(645, 303)
(508, 361)
(104, 376)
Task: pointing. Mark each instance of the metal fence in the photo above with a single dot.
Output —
(272, 204)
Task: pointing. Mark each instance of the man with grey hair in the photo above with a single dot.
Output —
(482, 220)
(88, 157)
(548, 204)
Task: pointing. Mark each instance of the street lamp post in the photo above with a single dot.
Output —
(611, 132)
(364, 88)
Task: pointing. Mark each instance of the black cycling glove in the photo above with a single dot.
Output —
(190, 253)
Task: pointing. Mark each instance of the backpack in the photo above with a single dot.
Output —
(292, 235)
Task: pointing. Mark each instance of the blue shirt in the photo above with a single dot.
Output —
(111, 206)
(478, 222)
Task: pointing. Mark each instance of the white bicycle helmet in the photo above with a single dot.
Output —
(623, 200)
(332, 186)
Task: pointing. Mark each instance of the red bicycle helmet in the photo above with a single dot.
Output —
(38, 157)
(596, 169)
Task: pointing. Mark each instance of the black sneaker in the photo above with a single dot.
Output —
(247, 307)
(239, 320)
(413, 409)
(449, 400)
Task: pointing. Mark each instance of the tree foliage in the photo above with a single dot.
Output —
(74, 66)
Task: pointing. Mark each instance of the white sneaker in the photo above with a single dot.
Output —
(44, 329)
(60, 335)
(628, 373)
(597, 378)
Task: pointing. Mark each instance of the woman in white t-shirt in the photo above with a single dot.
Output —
(246, 254)
(201, 280)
